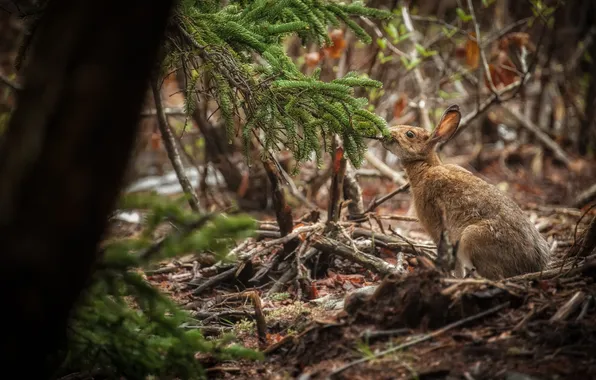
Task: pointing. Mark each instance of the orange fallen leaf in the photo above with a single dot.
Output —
(386, 252)
(274, 338)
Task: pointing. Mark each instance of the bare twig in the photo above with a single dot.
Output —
(388, 240)
(380, 35)
(540, 135)
(259, 319)
(424, 115)
(483, 106)
(402, 218)
(482, 54)
(584, 309)
(577, 55)
(170, 145)
(377, 202)
(504, 31)
(420, 339)
(384, 169)
(214, 280)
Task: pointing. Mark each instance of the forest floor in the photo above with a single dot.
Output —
(420, 325)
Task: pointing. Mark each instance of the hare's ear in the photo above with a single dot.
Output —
(447, 126)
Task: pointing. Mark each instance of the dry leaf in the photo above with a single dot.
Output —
(494, 75)
(503, 72)
(507, 71)
(460, 52)
(274, 338)
(400, 105)
(243, 188)
(155, 141)
(517, 39)
(472, 52)
(339, 154)
(313, 59)
(338, 44)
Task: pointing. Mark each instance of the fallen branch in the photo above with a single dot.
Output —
(569, 307)
(389, 241)
(214, 280)
(421, 339)
(282, 240)
(585, 197)
(334, 247)
(549, 273)
(402, 218)
(170, 145)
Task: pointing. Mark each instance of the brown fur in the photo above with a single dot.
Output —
(495, 237)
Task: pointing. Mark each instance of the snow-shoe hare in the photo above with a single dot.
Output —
(495, 238)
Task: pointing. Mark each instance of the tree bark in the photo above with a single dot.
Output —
(62, 162)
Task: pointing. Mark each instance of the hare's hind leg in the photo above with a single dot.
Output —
(479, 250)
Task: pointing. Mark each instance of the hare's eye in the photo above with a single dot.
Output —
(410, 134)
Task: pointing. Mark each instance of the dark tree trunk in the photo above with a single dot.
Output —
(63, 159)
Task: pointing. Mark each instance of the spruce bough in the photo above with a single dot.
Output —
(244, 67)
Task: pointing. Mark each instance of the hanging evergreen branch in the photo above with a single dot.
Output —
(272, 95)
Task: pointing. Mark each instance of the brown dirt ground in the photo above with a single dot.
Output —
(518, 342)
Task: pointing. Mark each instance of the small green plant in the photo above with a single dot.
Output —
(287, 312)
(245, 326)
(126, 327)
(280, 296)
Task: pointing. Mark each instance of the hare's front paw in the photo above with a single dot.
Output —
(471, 273)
